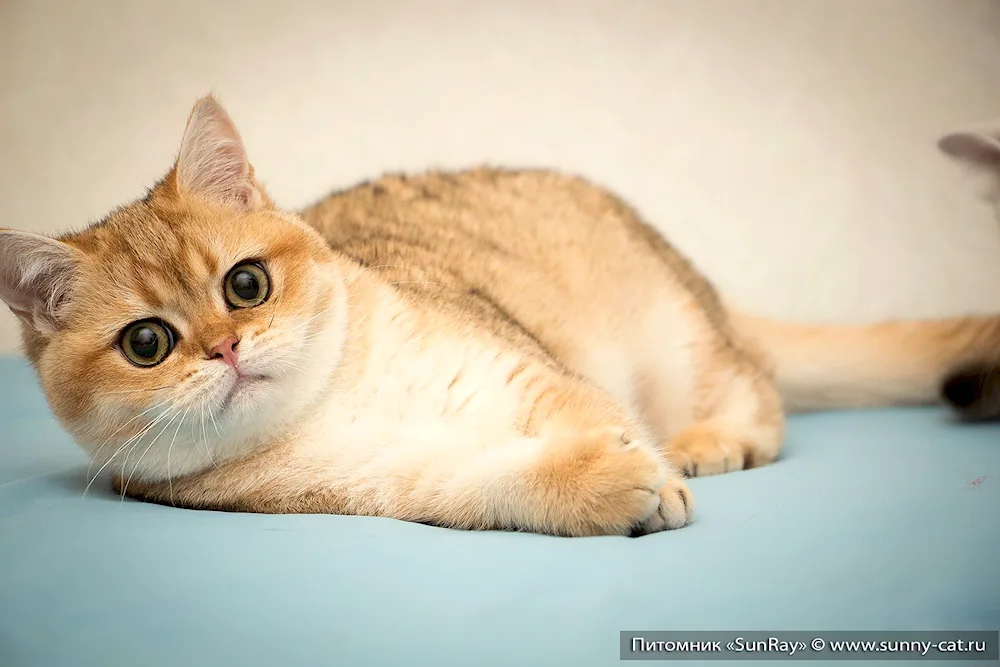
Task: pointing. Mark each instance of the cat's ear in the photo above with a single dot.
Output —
(212, 164)
(978, 147)
(36, 276)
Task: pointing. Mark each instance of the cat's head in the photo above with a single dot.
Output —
(979, 147)
(184, 328)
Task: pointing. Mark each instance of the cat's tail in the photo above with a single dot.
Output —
(912, 362)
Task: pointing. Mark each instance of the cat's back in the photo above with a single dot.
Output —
(537, 256)
(479, 225)
(461, 221)
(459, 216)
(448, 241)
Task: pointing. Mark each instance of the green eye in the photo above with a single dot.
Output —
(247, 285)
(147, 342)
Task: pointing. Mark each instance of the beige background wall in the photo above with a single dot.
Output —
(786, 145)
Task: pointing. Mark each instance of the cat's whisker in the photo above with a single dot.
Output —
(398, 282)
(419, 282)
(304, 322)
(388, 266)
(194, 429)
(204, 435)
(201, 419)
(91, 480)
(120, 449)
(211, 413)
(136, 439)
(995, 362)
(137, 442)
(116, 431)
(313, 336)
(140, 391)
(991, 369)
(302, 311)
(146, 451)
(170, 447)
(298, 312)
(288, 366)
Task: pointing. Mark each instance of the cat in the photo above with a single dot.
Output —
(485, 349)
(974, 389)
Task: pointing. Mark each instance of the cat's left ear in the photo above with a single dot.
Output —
(212, 164)
(36, 278)
(978, 147)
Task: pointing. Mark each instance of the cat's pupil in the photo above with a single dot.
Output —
(144, 342)
(245, 285)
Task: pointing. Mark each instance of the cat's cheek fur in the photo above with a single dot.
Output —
(82, 381)
(298, 362)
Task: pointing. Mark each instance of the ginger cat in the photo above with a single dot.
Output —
(974, 390)
(487, 349)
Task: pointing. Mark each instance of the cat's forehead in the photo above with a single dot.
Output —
(141, 233)
(140, 252)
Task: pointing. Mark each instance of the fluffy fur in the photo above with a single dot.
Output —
(486, 349)
(974, 389)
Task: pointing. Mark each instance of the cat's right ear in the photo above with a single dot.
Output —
(212, 164)
(978, 147)
(36, 277)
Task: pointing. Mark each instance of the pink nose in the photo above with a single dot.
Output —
(226, 350)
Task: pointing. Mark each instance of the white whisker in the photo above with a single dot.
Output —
(139, 391)
(399, 282)
(211, 413)
(204, 434)
(170, 447)
(125, 444)
(143, 455)
(116, 431)
(136, 440)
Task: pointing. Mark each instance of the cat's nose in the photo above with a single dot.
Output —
(226, 350)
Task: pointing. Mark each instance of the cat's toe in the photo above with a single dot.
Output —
(703, 449)
(676, 510)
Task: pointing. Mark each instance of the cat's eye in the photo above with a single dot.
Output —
(247, 285)
(147, 342)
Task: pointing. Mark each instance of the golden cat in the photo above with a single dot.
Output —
(487, 349)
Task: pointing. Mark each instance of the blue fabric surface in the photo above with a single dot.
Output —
(871, 520)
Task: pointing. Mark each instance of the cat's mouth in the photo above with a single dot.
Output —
(242, 389)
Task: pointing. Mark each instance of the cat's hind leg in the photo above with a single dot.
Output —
(738, 421)
(709, 396)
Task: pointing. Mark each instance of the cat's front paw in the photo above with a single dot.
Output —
(674, 511)
(604, 483)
